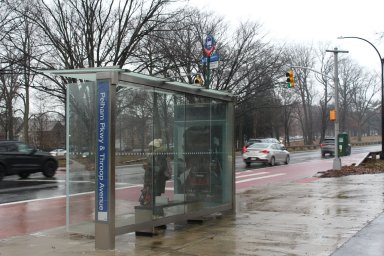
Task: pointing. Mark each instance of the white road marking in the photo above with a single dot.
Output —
(249, 175)
(135, 186)
(259, 178)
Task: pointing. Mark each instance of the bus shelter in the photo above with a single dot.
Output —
(143, 152)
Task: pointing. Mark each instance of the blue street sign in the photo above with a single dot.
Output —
(209, 45)
(102, 164)
(214, 57)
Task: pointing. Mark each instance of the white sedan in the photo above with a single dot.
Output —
(58, 152)
(267, 153)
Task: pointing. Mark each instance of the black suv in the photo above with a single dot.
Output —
(21, 159)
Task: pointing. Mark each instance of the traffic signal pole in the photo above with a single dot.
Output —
(336, 160)
(314, 70)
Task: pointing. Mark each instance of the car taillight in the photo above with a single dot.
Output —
(265, 151)
(245, 149)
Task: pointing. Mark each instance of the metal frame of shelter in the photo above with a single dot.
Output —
(197, 129)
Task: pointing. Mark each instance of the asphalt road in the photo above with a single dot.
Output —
(13, 189)
(305, 156)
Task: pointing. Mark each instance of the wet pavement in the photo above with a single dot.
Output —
(311, 216)
(368, 241)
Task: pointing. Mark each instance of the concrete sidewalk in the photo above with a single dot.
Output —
(338, 216)
(368, 241)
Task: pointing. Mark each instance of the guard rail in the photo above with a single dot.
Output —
(314, 147)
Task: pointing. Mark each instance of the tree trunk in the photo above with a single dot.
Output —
(10, 121)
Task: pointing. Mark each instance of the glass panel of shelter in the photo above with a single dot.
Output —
(145, 154)
(134, 125)
(176, 141)
(81, 123)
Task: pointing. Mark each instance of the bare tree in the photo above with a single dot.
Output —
(9, 91)
(326, 66)
(251, 68)
(22, 42)
(250, 64)
(350, 75)
(289, 101)
(137, 106)
(176, 50)
(304, 56)
(82, 33)
(364, 101)
(9, 87)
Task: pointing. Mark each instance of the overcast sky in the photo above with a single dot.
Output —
(309, 21)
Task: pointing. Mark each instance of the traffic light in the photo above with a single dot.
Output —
(290, 79)
(332, 115)
(198, 80)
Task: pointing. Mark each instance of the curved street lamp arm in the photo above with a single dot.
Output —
(382, 91)
(365, 40)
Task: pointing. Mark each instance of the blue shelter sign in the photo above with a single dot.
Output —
(102, 164)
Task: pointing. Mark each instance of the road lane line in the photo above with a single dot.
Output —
(32, 200)
(62, 196)
(249, 175)
(259, 178)
(139, 186)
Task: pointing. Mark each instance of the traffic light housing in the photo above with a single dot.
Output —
(198, 80)
(290, 79)
(332, 115)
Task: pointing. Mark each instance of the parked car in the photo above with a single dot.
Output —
(58, 152)
(17, 158)
(267, 153)
(327, 146)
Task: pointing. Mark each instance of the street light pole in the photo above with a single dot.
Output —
(382, 89)
(336, 160)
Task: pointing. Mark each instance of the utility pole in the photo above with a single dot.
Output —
(337, 160)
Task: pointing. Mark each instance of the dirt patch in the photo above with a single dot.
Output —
(370, 166)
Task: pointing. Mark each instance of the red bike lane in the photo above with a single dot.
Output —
(280, 173)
